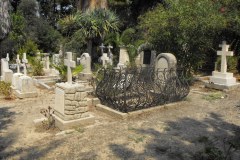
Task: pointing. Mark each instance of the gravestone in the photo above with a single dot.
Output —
(25, 87)
(85, 60)
(6, 73)
(71, 104)
(165, 61)
(123, 58)
(146, 56)
(17, 75)
(223, 79)
(70, 64)
(110, 55)
(105, 60)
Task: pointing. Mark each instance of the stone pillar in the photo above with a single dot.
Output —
(123, 58)
(71, 106)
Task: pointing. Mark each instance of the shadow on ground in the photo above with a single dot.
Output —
(7, 140)
(212, 138)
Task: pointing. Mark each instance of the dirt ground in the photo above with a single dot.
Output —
(204, 125)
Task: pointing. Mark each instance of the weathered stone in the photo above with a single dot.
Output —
(69, 96)
(82, 89)
(83, 103)
(82, 109)
(70, 112)
(79, 96)
(70, 90)
(70, 108)
(67, 102)
(84, 115)
(74, 103)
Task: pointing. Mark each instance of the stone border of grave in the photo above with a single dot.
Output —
(120, 115)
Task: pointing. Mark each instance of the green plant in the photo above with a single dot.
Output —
(50, 122)
(213, 96)
(63, 70)
(30, 47)
(185, 28)
(37, 67)
(232, 63)
(5, 89)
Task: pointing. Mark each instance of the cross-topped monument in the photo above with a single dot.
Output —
(7, 58)
(222, 80)
(102, 48)
(18, 61)
(70, 64)
(25, 61)
(224, 53)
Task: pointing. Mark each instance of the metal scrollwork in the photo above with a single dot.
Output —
(133, 89)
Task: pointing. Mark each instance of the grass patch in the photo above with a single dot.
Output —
(213, 96)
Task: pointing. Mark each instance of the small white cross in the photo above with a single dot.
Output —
(25, 61)
(224, 53)
(102, 48)
(109, 48)
(7, 58)
(18, 61)
(70, 64)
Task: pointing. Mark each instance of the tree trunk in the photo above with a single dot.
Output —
(83, 5)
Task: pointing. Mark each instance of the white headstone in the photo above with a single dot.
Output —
(25, 61)
(110, 55)
(102, 48)
(85, 60)
(223, 78)
(18, 61)
(165, 61)
(47, 62)
(6, 73)
(224, 53)
(123, 57)
(70, 64)
(105, 60)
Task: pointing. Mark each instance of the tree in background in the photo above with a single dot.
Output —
(189, 29)
(90, 25)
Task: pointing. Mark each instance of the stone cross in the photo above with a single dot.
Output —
(70, 64)
(25, 61)
(102, 48)
(18, 61)
(224, 53)
(7, 58)
(110, 55)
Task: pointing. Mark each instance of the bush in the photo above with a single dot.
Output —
(5, 89)
(232, 63)
(37, 67)
(29, 47)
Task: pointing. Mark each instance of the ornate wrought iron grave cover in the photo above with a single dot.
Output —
(135, 88)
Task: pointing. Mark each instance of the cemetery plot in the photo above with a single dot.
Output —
(133, 89)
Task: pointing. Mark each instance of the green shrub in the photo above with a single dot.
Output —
(37, 67)
(232, 63)
(5, 89)
(29, 47)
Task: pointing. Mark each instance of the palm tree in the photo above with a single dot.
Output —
(84, 5)
(97, 23)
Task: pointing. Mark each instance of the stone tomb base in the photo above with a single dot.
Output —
(222, 81)
(25, 88)
(72, 106)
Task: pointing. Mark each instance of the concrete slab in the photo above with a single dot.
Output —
(64, 125)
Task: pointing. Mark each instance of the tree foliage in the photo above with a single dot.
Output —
(189, 29)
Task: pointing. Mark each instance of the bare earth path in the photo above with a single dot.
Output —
(176, 132)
